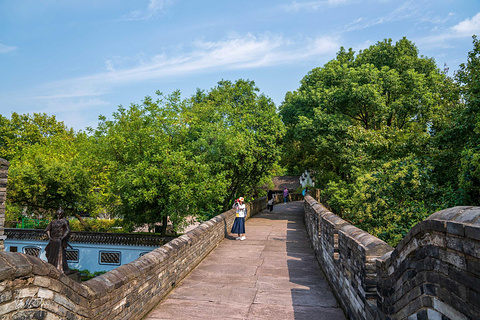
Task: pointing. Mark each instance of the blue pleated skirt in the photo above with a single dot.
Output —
(238, 225)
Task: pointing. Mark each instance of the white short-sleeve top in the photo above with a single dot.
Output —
(240, 208)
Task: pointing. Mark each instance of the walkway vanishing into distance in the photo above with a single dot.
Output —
(273, 274)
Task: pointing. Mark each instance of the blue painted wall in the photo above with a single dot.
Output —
(88, 254)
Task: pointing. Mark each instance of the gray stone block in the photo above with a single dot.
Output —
(472, 248)
(455, 243)
(456, 228)
(472, 232)
(29, 314)
(473, 266)
(448, 214)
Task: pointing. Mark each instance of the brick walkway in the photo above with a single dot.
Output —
(271, 275)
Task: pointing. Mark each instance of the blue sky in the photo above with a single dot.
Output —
(79, 59)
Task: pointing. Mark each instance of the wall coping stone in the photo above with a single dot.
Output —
(462, 214)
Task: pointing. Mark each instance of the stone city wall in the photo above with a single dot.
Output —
(32, 289)
(434, 272)
(3, 195)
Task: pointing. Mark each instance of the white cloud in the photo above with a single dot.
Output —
(74, 99)
(468, 27)
(363, 45)
(312, 5)
(109, 65)
(6, 49)
(463, 29)
(356, 24)
(437, 20)
(234, 53)
(154, 7)
(323, 45)
(405, 11)
(158, 5)
(74, 91)
(75, 113)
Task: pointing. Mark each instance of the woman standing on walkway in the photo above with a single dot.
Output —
(239, 223)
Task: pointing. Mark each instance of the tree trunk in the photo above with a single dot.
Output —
(164, 226)
(86, 226)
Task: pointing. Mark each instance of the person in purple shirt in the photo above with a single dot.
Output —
(285, 195)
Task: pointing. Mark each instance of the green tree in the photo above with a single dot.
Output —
(43, 172)
(48, 175)
(387, 200)
(154, 174)
(353, 92)
(237, 132)
(365, 124)
(467, 126)
(24, 130)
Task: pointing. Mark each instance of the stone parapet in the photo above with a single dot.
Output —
(31, 288)
(434, 272)
(435, 269)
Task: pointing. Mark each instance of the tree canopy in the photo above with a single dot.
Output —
(467, 126)
(172, 158)
(390, 137)
(152, 169)
(368, 125)
(24, 130)
(49, 175)
(151, 163)
(238, 132)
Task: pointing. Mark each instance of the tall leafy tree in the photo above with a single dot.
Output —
(467, 126)
(49, 175)
(153, 172)
(364, 123)
(24, 130)
(385, 90)
(45, 169)
(237, 131)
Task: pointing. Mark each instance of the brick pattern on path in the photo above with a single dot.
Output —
(273, 274)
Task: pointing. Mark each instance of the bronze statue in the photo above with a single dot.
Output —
(58, 232)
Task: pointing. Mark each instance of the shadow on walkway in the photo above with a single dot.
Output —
(273, 274)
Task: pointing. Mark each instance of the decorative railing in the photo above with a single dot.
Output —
(92, 237)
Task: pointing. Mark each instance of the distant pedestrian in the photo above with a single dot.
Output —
(270, 200)
(285, 195)
(239, 223)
